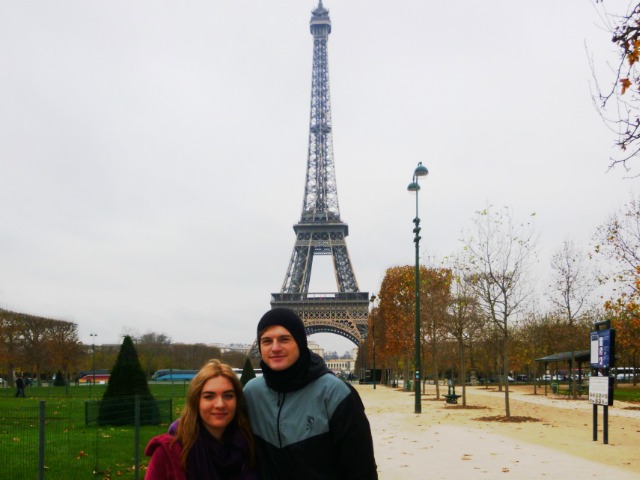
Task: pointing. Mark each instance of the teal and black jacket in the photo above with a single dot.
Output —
(319, 431)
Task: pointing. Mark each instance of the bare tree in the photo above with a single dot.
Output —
(618, 241)
(464, 321)
(154, 351)
(570, 291)
(435, 292)
(500, 253)
(618, 101)
(464, 318)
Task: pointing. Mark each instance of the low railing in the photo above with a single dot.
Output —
(64, 438)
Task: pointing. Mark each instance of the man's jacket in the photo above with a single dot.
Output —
(317, 432)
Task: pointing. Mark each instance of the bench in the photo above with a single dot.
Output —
(453, 399)
(451, 396)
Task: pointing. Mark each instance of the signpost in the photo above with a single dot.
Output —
(602, 359)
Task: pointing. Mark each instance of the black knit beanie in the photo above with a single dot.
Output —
(289, 320)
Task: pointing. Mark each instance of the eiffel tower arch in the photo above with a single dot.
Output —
(320, 230)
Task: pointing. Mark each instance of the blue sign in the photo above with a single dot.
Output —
(603, 348)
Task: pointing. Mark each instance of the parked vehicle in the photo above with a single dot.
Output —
(99, 379)
(83, 373)
(256, 371)
(172, 371)
(624, 374)
(181, 377)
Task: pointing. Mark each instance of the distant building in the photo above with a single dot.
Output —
(344, 364)
(315, 348)
(233, 347)
(341, 365)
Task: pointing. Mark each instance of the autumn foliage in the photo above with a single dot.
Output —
(625, 313)
(395, 316)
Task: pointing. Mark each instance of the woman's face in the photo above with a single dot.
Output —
(217, 405)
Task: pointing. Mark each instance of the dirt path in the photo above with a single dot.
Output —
(447, 441)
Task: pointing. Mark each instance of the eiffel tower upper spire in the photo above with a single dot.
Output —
(319, 13)
(320, 203)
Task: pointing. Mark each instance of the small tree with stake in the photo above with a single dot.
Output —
(127, 380)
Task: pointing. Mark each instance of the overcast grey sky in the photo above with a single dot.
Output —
(152, 153)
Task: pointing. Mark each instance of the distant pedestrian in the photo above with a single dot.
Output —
(20, 387)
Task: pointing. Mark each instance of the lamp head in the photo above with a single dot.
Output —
(421, 170)
(413, 187)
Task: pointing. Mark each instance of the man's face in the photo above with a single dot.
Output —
(278, 348)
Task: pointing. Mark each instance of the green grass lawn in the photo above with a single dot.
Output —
(78, 452)
(72, 449)
(627, 393)
(624, 392)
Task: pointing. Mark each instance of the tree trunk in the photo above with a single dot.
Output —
(505, 362)
(463, 375)
(572, 381)
(405, 374)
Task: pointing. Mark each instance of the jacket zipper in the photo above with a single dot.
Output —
(281, 397)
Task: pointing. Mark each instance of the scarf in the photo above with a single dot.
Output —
(214, 460)
(307, 368)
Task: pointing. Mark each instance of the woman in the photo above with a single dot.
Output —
(213, 438)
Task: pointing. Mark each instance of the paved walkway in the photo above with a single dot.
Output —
(427, 446)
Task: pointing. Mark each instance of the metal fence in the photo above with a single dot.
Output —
(61, 439)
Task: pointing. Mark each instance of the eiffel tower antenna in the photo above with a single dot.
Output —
(320, 230)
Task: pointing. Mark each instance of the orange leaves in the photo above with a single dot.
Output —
(398, 303)
(626, 83)
(634, 55)
(625, 311)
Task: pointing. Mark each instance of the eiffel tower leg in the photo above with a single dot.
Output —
(344, 271)
(299, 272)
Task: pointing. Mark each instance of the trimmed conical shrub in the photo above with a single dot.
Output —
(127, 381)
(247, 372)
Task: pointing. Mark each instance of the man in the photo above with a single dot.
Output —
(20, 387)
(307, 423)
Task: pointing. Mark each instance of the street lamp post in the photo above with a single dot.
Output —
(171, 361)
(93, 346)
(414, 186)
(373, 336)
(363, 366)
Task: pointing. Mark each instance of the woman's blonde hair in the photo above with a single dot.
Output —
(189, 424)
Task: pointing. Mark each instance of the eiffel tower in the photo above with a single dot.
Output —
(320, 230)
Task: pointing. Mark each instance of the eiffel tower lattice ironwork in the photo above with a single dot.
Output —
(320, 230)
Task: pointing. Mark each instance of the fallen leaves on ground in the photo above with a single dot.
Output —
(505, 419)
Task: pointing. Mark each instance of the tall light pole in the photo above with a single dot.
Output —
(93, 346)
(373, 335)
(414, 186)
